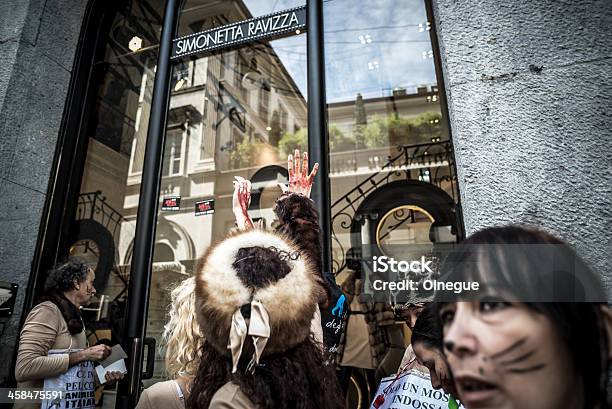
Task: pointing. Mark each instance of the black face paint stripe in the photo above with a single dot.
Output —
(526, 370)
(518, 359)
(511, 348)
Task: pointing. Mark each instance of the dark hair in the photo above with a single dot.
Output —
(527, 264)
(297, 378)
(428, 328)
(550, 273)
(62, 277)
(251, 261)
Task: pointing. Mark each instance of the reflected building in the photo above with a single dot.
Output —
(240, 111)
(75, 110)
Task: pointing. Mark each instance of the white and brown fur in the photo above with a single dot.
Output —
(290, 301)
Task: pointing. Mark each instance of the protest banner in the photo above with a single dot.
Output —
(411, 390)
(77, 386)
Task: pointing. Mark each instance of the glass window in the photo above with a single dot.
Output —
(393, 179)
(173, 157)
(392, 175)
(221, 125)
(104, 227)
(264, 101)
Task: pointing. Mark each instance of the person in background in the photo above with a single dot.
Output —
(183, 339)
(427, 345)
(56, 323)
(537, 334)
(297, 219)
(256, 296)
(410, 312)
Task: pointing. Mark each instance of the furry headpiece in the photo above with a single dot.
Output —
(279, 306)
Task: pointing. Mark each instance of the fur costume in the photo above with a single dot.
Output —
(289, 301)
(260, 290)
(298, 219)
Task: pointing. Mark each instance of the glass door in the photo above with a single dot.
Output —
(103, 228)
(392, 174)
(235, 112)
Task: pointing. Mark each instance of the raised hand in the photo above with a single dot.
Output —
(300, 181)
(241, 201)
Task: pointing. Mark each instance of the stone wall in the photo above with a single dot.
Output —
(530, 101)
(38, 39)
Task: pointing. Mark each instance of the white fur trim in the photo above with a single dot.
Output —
(282, 299)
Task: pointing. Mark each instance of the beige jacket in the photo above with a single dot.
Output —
(44, 329)
(230, 397)
(162, 395)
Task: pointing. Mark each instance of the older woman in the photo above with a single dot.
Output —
(56, 324)
(183, 341)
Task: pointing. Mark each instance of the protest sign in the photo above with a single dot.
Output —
(412, 390)
(77, 385)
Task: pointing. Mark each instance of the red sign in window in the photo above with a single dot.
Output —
(171, 203)
(205, 207)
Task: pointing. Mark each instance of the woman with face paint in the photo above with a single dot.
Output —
(536, 335)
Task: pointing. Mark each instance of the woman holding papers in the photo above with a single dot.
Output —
(55, 325)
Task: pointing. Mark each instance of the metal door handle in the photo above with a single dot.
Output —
(150, 344)
(135, 366)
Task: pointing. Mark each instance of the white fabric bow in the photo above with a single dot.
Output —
(258, 329)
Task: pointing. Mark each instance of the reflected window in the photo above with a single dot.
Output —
(393, 179)
(122, 78)
(173, 154)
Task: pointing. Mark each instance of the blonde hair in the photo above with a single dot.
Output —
(182, 333)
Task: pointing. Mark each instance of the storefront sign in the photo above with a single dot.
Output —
(205, 207)
(172, 203)
(272, 25)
